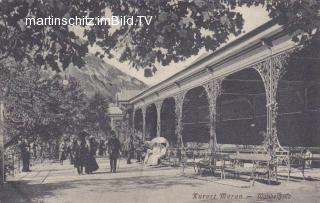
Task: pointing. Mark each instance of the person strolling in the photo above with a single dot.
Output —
(114, 151)
(138, 148)
(91, 163)
(62, 152)
(130, 149)
(74, 153)
(101, 148)
(25, 155)
(81, 156)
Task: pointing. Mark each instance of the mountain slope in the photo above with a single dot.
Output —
(98, 76)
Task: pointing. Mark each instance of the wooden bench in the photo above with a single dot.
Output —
(213, 163)
(252, 164)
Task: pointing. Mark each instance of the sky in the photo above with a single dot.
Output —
(253, 17)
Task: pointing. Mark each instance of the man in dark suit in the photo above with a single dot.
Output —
(130, 149)
(25, 155)
(114, 151)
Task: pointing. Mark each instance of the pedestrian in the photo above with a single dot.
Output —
(138, 148)
(114, 151)
(75, 151)
(130, 149)
(69, 150)
(34, 149)
(101, 150)
(307, 156)
(25, 155)
(81, 155)
(62, 152)
(90, 161)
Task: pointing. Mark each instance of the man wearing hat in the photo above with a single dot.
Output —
(114, 151)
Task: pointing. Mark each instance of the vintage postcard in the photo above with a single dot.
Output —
(149, 101)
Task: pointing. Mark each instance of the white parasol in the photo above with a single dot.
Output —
(160, 140)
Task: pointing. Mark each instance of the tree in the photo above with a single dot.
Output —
(96, 118)
(38, 106)
(18, 83)
(175, 32)
(62, 108)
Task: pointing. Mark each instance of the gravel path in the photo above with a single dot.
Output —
(52, 182)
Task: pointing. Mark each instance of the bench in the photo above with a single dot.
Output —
(213, 163)
(252, 164)
(172, 157)
(297, 158)
(300, 162)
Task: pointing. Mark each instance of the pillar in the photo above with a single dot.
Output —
(2, 171)
(271, 72)
(133, 119)
(158, 107)
(178, 111)
(213, 89)
(144, 110)
(112, 123)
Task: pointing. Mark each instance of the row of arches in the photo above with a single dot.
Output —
(167, 118)
(241, 112)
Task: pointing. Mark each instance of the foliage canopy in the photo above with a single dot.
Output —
(178, 30)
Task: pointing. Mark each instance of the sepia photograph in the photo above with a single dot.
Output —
(159, 101)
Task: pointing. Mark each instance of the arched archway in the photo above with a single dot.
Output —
(168, 121)
(298, 100)
(195, 116)
(138, 121)
(151, 122)
(241, 109)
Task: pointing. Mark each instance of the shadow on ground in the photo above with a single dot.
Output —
(22, 191)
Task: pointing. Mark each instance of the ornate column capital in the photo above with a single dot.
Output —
(143, 109)
(180, 97)
(158, 104)
(271, 71)
(213, 87)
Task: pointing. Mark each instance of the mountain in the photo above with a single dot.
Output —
(98, 76)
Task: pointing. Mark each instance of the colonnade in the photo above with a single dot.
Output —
(271, 70)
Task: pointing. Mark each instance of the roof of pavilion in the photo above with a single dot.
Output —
(126, 95)
(228, 47)
(114, 111)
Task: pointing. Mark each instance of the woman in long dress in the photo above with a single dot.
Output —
(91, 163)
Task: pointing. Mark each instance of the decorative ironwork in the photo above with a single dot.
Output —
(271, 71)
(213, 89)
(178, 111)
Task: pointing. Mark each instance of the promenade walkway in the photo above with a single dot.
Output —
(52, 182)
